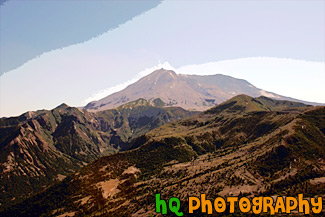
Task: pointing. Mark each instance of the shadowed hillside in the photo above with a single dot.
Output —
(40, 148)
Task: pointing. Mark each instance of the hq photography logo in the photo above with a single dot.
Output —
(256, 205)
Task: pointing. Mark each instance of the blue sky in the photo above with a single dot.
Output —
(29, 28)
(284, 36)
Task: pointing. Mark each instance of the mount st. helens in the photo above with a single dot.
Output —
(42, 147)
(38, 149)
(242, 147)
(191, 92)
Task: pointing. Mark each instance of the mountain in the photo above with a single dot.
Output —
(191, 92)
(39, 148)
(243, 147)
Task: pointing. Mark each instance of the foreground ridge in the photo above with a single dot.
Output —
(243, 147)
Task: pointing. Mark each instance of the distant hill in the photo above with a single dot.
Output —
(243, 147)
(191, 92)
(39, 148)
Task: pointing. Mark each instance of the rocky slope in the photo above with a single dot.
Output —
(191, 92)
(245, 146)
(40, 148)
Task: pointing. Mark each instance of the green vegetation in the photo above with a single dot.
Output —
(245, 146)
(38, 148)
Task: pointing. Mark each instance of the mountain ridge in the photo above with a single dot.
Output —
(42, 147)
(268, 149)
